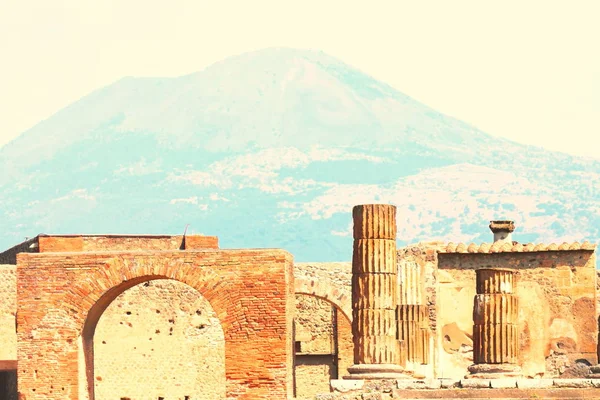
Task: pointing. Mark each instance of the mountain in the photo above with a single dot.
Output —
(272, 149)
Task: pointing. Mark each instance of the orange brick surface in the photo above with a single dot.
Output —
(61, 297)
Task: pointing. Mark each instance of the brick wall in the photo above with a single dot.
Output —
(75, 243)
(59, 297)
(323, 308)
(124, 243)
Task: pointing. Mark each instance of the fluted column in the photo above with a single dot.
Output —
(413, 330)
(374, 293)
(412, 315)
(495, 324)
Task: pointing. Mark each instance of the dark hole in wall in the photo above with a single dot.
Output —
(8, 385)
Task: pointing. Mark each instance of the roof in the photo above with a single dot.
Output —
(506, 247)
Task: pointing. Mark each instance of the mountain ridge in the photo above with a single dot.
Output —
(270, 150)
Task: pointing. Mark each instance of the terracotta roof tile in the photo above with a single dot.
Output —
(506, 247)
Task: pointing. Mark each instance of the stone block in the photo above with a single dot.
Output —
(534, 383)
(573, 383)
(475, 383)
(447, 383)
(346, 385)
(372, 396)
(595, 383)
(409, 384)
(503, 383)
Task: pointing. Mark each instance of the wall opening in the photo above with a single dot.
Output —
(157, 339)
(8, 384)
(323, 345)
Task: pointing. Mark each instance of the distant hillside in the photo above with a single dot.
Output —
(272, 149)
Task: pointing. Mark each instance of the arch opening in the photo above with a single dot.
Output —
(322, 343)
(153, 337)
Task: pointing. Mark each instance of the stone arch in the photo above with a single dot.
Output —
(240, 285)
(341, 298)
(306, 383)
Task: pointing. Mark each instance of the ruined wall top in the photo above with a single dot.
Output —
(43, 243)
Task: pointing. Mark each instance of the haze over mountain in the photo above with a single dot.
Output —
(272, 149)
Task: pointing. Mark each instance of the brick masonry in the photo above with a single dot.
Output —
(62, 296)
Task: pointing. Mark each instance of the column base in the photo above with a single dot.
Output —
(594, 372)
(493, 371)
(376, 371)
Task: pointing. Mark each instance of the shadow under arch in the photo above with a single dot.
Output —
(97, 311)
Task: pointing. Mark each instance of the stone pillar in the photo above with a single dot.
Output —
(495, 328)
(374, 296)
(413, 330)
(412, 315)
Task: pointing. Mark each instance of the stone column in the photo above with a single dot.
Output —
(495, 329)
(413, 330)
(412, 315)
(374, 296)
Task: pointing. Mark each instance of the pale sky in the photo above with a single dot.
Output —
(525, 70)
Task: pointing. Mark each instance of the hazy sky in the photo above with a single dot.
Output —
(525, 70)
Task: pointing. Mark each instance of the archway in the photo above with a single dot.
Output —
(323, 344)
(251, 292)
(162, 333)
(338, 296)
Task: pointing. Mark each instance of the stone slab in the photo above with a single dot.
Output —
(503, 383)
(534, 383)
(474, 383)
(496, 394)
(419, 384)
(346, 385)
(446, 383)
(572, 383)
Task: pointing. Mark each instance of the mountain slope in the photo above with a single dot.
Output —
(271, 149)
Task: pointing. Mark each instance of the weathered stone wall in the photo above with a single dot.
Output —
(331, 281)
(322, 326)
(313, 325)
(556, 290)
(250, 291)
(164, 335)
(424, 256)
(324, 348)
(315, 347)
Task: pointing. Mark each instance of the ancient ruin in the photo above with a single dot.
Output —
(175, 317)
